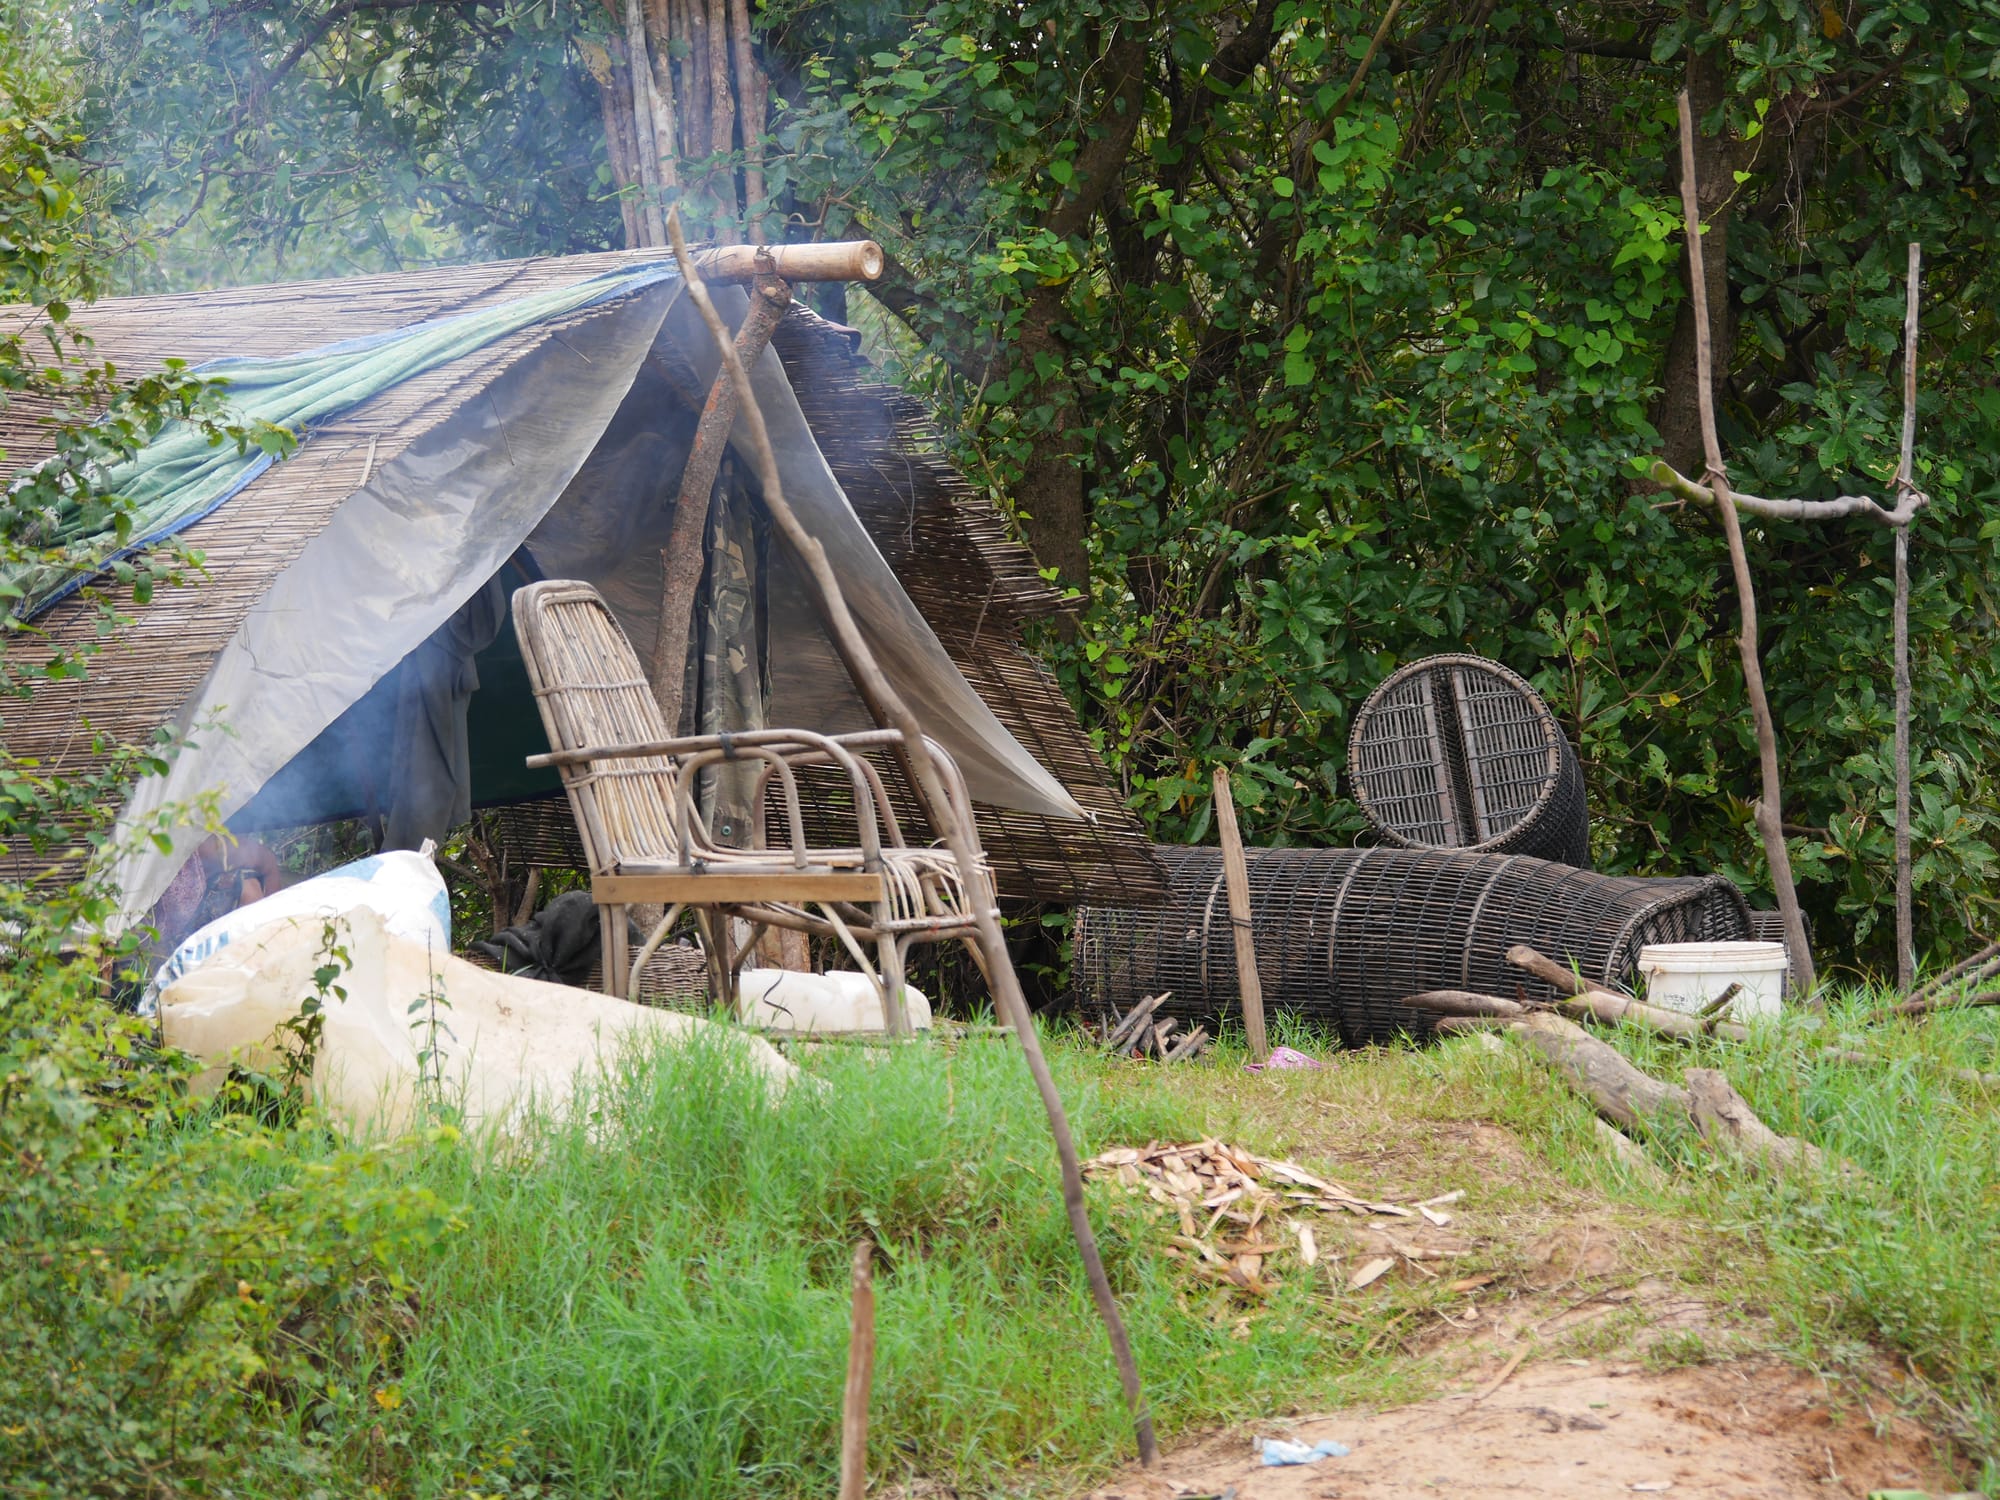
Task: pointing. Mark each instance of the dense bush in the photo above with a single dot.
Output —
(1350, 348)
(169, 1271)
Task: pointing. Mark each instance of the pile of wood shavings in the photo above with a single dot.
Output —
(1249, 1207)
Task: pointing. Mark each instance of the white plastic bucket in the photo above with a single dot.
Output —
(1686, 976)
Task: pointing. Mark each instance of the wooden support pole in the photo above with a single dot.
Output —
(687, 550)
(960, 836)
(1236, 875)
(1906, 943)
(860, 1377)
(1769, 810)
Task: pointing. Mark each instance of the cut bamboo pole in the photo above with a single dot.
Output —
(833, 260)
(1906, 944)
(860, 1377)
(960, 836)
(1236, 875)
(1770, 804)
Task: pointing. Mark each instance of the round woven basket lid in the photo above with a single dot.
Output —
(1457, 752)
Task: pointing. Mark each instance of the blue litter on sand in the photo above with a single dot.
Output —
(1282, 1451)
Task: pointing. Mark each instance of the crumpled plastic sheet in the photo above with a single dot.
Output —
(1279, 1452)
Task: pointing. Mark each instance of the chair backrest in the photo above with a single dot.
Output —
(591, 691)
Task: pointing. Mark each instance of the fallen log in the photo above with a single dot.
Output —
(1620, 1092)
(1724, 1118)
(1627, 1152)
(1635, 1100)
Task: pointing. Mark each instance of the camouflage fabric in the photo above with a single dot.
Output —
(731, 652)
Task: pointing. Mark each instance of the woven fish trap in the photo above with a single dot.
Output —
(1457, 752)
(1342, 935)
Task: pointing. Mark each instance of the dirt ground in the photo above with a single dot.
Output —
(1573, 1428)
(1587, 1361)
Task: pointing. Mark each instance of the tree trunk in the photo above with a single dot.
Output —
(1676, 414)
(1051, 492)
(677, 83)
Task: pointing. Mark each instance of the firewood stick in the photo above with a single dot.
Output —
(1236, 876)
(1977, 965)
(1124, 1033)
(960, 837)
(1464, 1003)
(1769, 811)
(833, 260)
(1931, 1004)
(1582, 997)
(860, 1377)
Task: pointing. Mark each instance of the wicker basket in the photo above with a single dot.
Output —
(1343, 935)
(1457, 752)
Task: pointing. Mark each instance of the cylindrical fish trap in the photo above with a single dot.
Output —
(1343, 935)
(1457, 752)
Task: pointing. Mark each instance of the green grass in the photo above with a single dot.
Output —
(1907, 1257)
(651, 1298)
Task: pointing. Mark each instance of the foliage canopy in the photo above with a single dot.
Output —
(1310, 337)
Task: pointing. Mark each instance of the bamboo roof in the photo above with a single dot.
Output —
(973, 583)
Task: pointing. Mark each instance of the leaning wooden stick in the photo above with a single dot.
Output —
(1906, 486)
(1769, 807)
(681, 562)
(860, 1377)
(961, 838)
(1236, 875)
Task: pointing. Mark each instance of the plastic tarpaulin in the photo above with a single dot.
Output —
(398, 559)
(181, 476)
(435, 524)
(617, 548)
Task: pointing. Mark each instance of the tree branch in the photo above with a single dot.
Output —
(1098, 163)
(1672, 480)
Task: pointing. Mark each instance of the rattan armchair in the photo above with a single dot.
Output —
(633, 791)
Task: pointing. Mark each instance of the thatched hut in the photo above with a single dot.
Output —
(310, 666)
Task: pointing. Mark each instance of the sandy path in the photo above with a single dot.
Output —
(1569, 1429)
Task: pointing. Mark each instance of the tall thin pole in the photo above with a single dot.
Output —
(1769, 808)
(960, 836)
(1906, 942)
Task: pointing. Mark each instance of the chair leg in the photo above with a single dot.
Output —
(890, 982)
(610, 980)
(614, 946)
(714, 925)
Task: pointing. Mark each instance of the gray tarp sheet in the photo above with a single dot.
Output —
(431, 527)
